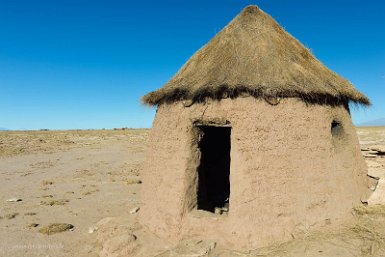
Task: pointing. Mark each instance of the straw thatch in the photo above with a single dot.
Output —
(254, 55)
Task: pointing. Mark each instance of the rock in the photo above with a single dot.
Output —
(198, 248)
(376, 173)
(369, 156)
(119, 246)
(378, 196)
(12, 200)
(225, 208)
(135, 210)
(109, 228)
(92, 229)
(378, 148)
(32, 225)
(218, 210)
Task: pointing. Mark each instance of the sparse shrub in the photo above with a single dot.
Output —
(56, 228)
(55, 202)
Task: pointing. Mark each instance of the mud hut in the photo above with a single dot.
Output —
(252, 141)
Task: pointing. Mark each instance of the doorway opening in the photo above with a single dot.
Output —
(213, 190)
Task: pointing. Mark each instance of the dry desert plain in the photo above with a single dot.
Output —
(77, 193)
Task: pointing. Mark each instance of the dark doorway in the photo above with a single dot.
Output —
(214, 169)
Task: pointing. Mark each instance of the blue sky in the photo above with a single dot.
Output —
(85, 64)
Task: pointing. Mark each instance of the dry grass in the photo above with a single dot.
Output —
(132, 181)
(11, 215)
(373, 211)
(43, 164)
(23, 142)
(55, 228)
(236, 62)
(47, 182)
(371, 135)
(54, 202)
(364, 237)
(47, 196)
(30, 214)
(90, 192)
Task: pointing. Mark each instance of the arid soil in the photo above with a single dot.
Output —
(91, 180)
(75, 177)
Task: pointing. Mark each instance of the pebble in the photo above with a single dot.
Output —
(32, 225)
(135, 210)
(92, 229)
(12, 200)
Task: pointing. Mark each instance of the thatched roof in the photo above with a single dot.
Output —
(254, 55)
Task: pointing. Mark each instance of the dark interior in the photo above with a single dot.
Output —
(336, 128)
(214, 168)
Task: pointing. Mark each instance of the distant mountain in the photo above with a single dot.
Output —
(4, 129)
(379, 122)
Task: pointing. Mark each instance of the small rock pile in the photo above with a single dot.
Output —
(375, 159)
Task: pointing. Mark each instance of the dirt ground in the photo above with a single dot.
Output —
(91, 180)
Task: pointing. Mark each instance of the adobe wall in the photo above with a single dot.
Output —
(288, 174)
